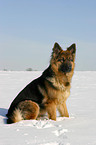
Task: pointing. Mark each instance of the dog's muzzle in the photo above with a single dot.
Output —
(66, 67)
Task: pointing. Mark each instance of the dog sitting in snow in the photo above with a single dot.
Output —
(49, 91)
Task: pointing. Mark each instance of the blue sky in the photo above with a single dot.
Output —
(29, 29)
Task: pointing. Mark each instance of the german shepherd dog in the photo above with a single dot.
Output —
(49, 91)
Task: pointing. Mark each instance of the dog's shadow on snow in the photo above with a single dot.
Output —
(3, 113)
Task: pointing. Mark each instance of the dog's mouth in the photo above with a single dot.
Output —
(66, 68)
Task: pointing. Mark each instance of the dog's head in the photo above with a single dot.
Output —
(63, 61)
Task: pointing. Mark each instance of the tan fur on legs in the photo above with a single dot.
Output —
(42, 112)
(62, 108)
(51, 110)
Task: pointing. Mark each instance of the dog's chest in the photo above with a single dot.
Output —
(61, 93)
(57, 84)
(62, 96)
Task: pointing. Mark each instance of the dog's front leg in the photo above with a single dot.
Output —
(51, 110)
(62, 108)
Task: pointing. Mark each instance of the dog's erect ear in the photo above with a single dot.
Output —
(56, 49)
(72, 48)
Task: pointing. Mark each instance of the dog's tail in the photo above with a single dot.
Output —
(16, 116)
(26, 110)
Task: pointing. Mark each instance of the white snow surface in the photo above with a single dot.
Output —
(78, 129)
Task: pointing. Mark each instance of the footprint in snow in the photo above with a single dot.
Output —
(60, 131)
(38, 124)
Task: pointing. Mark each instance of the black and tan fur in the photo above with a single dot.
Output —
(49, 91)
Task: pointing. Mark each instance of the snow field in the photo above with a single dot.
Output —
(78, 129)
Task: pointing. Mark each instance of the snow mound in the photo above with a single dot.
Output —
(39, 124)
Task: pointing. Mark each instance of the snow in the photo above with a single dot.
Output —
(78, 129)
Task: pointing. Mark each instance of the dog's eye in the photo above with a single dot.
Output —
(70, 59)
(61, 60)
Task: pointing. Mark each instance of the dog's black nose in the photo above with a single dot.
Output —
(66, 67)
